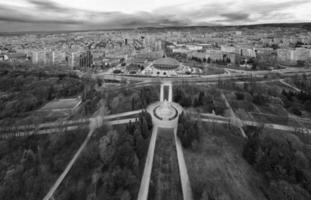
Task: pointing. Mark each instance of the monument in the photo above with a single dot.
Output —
(165, 111)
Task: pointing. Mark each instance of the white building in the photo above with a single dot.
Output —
(164, 67)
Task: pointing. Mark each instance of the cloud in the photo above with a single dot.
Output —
(230, 12)
(47, 5)
(236, 16)
(241, 12)
(29, 20)
(268, 7)
(51, 13)
(11, 15)
(139, 19)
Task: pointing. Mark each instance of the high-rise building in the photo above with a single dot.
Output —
(71, 59)
(49, 58)
(35, 57)
(158, 45)
(86, 60)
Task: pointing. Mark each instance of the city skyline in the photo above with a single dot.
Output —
(37, 15)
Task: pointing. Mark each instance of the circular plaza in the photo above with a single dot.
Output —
(165, 113)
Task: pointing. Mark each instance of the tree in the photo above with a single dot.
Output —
(115, 103)
(148, 119)
(259, 99)
(188, 131)
(278, 158)
(251, 148)
(4, 148)
(144, 128)
(301, 63)
(140, 144)
(295, 110)
(186, 102)
(307, 105)
(275, 46)
(239, 96)
(179, 95)
(125, 154)
(107, 146)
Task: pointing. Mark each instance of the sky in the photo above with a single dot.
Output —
(56, 15)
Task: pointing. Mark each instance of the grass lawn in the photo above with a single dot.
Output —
(216, 167)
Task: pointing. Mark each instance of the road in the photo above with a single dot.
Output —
(288, 72)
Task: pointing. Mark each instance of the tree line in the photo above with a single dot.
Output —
(282, 162)
(30, 165)
(27, 91)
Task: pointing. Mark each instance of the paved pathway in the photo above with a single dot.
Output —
(157, 123)
(54, 130)
(184, 177)
(124, 114)
(224, 120)
(290, 86)
(278, 127)
(52, 127)
(45, 125)
(95, 123)
(234, 119)
(145, 181)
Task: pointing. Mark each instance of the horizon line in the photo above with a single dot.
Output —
(156, 27)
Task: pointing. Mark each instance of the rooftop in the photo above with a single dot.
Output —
(166, 61)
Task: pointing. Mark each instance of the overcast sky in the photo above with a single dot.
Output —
(36, 15)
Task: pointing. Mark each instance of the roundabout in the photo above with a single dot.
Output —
(164, 113)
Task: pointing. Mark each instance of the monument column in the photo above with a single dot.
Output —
(161, 93)
(170, 93)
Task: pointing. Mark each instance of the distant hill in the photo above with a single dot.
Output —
(306, 25)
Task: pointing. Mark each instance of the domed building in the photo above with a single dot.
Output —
(164, 67)
(166, 64)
